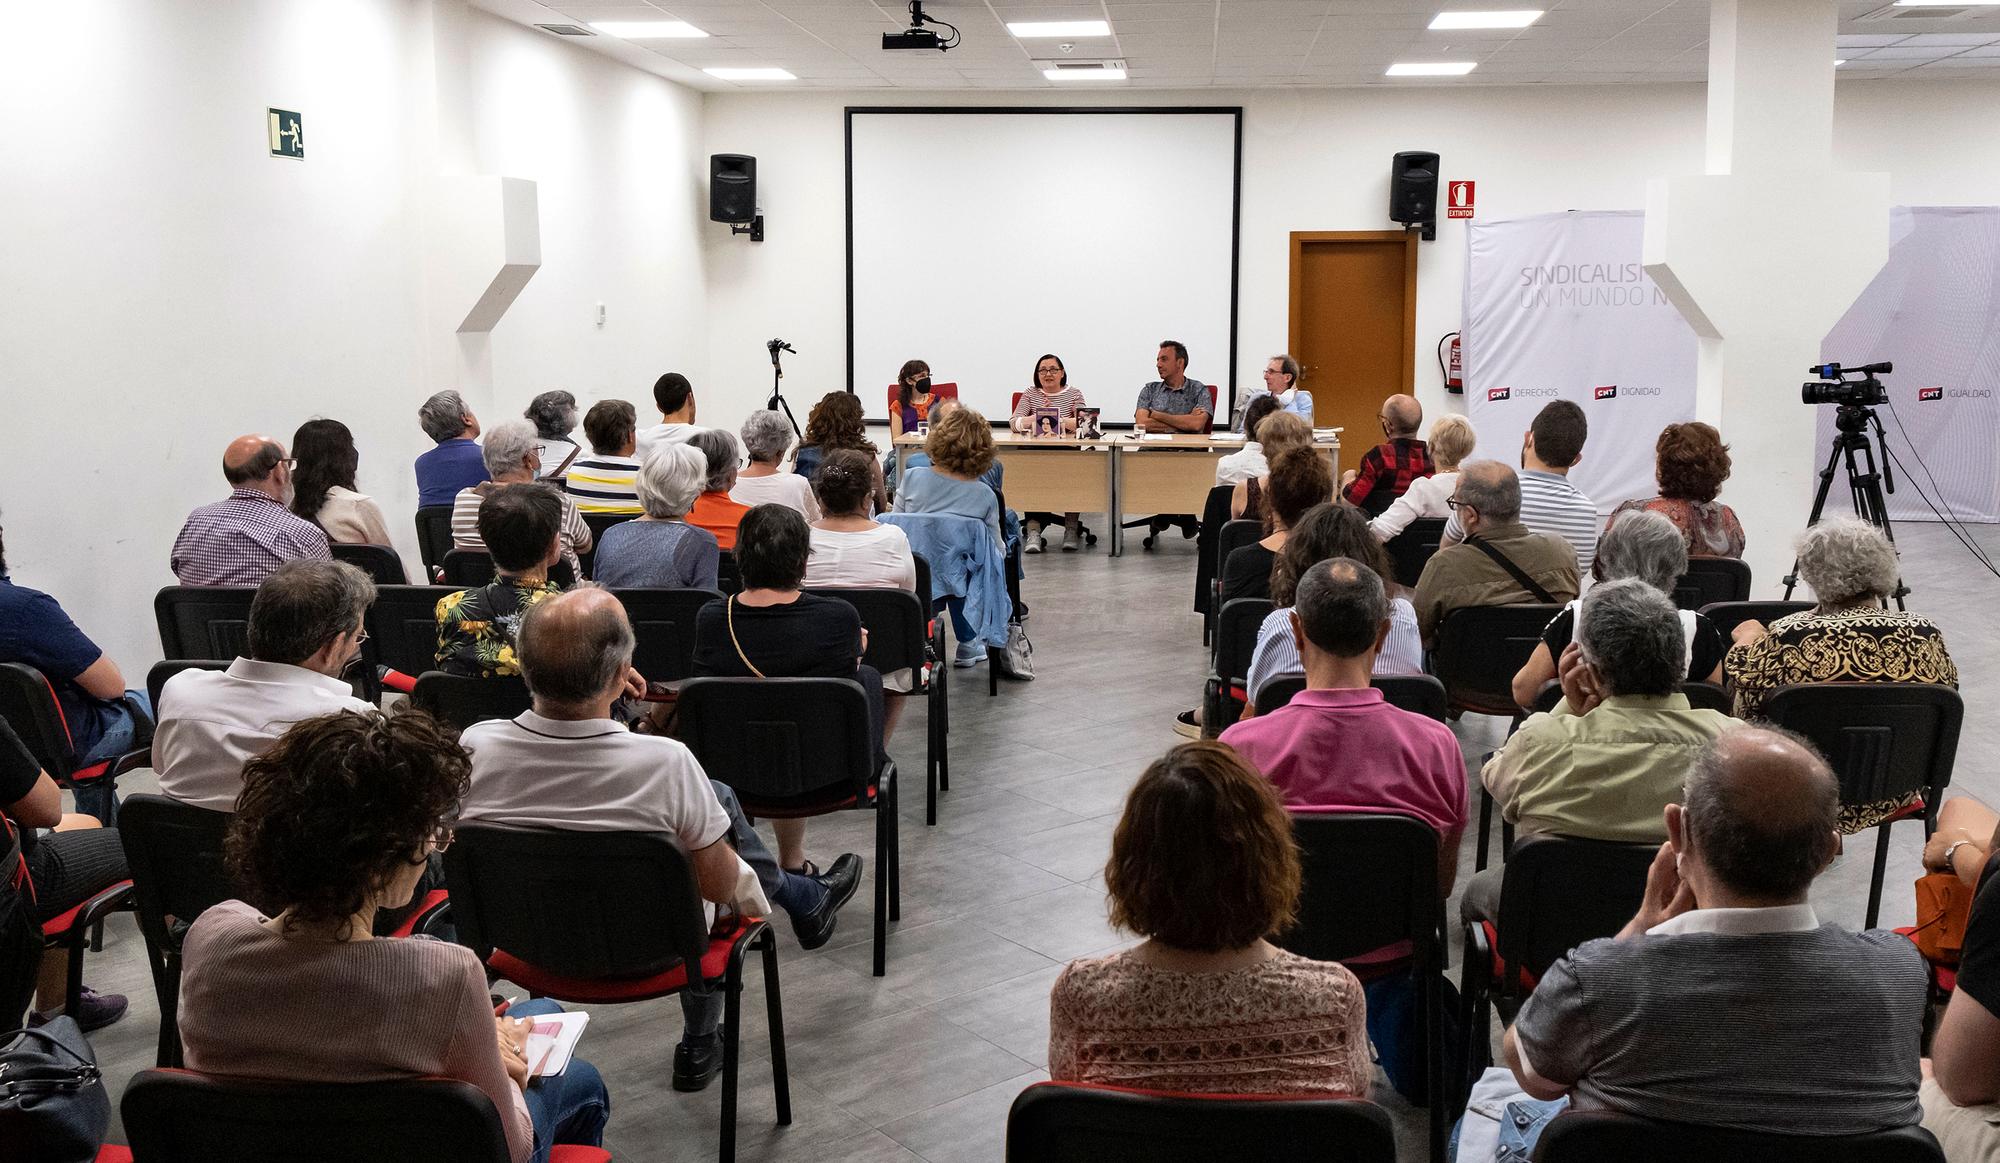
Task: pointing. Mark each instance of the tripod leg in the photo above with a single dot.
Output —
(1819, 507)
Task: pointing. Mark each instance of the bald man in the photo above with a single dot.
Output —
(1388, 468)
(1726, 1001)
(240, 540)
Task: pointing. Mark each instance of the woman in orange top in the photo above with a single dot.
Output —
(713, 510)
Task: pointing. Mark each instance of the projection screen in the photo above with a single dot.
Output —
(979, 238)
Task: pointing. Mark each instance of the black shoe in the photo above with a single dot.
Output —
(94, 1011)
(815, 928)
(697, 1061)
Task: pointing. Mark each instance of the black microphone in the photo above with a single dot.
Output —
(777, 345)
(1833, 371)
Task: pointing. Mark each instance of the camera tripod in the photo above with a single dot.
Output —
(777, 401)
(1864, 482)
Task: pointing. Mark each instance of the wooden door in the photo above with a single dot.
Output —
(1354, 327)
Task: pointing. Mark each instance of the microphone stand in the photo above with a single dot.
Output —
(777, 401)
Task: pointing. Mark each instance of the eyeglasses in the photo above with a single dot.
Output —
(1454, 504)
(442, 837)
(360, 636)
(289, 464)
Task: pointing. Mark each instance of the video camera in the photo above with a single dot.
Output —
(1835, 386)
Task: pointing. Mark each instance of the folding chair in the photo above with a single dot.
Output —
(898, 639)
(1589, 1136)
(174, 851)
(1074, 1122)
(728, 578)
(1413, 548)
(607, 918)
(1224, 694)
(1419, 694)
(403, 632)
(379, 562)
(1372, 880)
(466, 569)
(156, 678)
(204, 621)
(1709, 580)
(461, 700)
(433, 538)
(1214, 515)
(1727, 616)
(177, 1116)
(938, 674)
(1884, 740)
(663, 623)
(29, 705)
(1479, 650)
(793, 748)
(1233, 536)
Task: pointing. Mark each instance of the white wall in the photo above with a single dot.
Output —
(166, 286)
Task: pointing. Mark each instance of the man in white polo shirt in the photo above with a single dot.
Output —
(568, 764)
(1550, 504)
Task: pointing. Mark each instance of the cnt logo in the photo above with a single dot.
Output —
(1608, 392)
(1499, 393)
(1930, 394)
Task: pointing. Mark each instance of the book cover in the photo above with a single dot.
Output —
(1088, 423)
(1047, 422)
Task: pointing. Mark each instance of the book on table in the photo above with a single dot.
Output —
(1047, 422)
(1089, 424)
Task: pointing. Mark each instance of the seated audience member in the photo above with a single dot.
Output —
(1644, 546)
(1616, 748)
(305, 630)
(568, 764)
(836, 422)
(914, 398)
(605, 480)
(1550, 504)
(338, 821)
(70, 864)
(1677, 1017)
(1487, 504)
(1328, 531)
(323, 485)
(1845, 637)
(105, 719)
(1249, 463)
(1961, 1091)
(1281, 383)
(554, 416)
(1691, 462)
(714, 510)
(456, 463)
(661, 549)
(960, 448)
(240, 540)
(521, 525)
(674, 396)
(1204, 867)
(1387, 469)
(512, 459)
(851, 550)
(1967, 836)
(1049, 390)
(1174, 403)
(1276, 435)
(1451, 442)
(767, 436)
(995, 476)
(774, 630)
(1300, 478)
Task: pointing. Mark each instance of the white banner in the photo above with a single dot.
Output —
(1557, 306)
(1935, 312)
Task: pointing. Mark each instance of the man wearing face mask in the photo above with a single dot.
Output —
(1281, 381)
(239, 541)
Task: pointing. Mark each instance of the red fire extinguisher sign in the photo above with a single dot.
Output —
(1459, 200)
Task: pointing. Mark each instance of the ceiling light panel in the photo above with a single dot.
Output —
(1519, 18)
(1026, 29)
(648, 29)
(1431, 68)
(750, 74)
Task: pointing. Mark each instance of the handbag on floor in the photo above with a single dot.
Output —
(53, 1106)
(1018, 660)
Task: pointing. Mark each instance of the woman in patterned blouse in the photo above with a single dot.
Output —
(1691, 462)
(1204, 867)
(1847, 637)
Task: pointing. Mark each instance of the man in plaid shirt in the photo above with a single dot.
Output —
(1388, 468)
(239, 541)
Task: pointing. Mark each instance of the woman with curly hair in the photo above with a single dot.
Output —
(1691, 462)
(1204, 867)
(836, 422)
(323, 485)
(339, 819)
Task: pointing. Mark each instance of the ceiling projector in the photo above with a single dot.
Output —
(917, 36)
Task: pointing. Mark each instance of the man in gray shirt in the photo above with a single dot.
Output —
(1173, 403)
(1726, 1001)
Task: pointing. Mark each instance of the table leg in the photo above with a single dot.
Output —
(1115, 517)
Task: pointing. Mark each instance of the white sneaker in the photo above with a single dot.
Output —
(1031, 538)
(1072, 540)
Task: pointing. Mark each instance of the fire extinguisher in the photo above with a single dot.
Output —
(1452, 365)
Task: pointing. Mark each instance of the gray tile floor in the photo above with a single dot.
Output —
(922, 1064)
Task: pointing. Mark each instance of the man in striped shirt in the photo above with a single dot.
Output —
(606, 480)
(1549, 503)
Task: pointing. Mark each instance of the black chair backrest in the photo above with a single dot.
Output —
(433, 536)
(1883, 739)
(1727, 616)
(894, 620)
(923, 581)
(402, 626)
(1236, 636)
(1053, 1122)
(20, 939)
(1370, 880)
(728, 578)
(1235, 535)
(1413, 548)
(472, 568)
(204, 621)
(1712, 579)
(1479, 648)
(776, 740)
(462, 701)
(156, 678)
(29, 706)
(1589, 1136)
(575, 904)
(1419, 694)
(599, 522)
(1214, 515)
(174, 851)
(663, 623)
(1700, 696)
(1558, 892)
(380, 562)
(173, 1116)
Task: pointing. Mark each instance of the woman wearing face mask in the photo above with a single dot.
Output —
(1050, 389)
(913, 398)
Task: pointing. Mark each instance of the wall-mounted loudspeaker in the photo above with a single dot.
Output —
(1413, 190)
(732, 187)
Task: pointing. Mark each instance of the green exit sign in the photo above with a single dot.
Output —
(288, 135)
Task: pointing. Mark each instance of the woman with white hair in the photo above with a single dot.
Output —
(1846, 637)
(767, 437)
(1451, 441)
(513, 457)
(1646, 546)
(661, 549)
(554, 416)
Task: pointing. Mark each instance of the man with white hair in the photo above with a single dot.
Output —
(513, 457)
(239, 540)
(455, 463)
(1501, 563)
